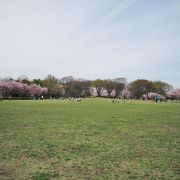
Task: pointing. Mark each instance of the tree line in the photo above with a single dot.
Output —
(53, 87)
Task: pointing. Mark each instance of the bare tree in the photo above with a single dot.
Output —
(140, 87)
(66, 82)
(109, 86)
(52, 83)
(99, 86)
(120, 84)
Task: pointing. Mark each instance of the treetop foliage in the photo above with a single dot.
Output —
(69, 86)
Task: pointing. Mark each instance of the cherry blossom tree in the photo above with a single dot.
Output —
(36, 90)
(126, 94)
(174, 94)
(18, 89)
(150, 96)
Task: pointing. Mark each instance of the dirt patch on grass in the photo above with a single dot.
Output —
(7, 172)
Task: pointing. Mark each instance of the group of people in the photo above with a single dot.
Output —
(7, 97)
(117, 100)
(69, 99)
(74, 99)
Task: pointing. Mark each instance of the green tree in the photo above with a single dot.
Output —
(38, 82)
(161, 87)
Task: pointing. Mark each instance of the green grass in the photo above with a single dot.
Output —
(92, 139)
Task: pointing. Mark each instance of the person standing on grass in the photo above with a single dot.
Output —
(9, 97)
(1, 97)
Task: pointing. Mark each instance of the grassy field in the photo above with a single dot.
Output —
(92, 139)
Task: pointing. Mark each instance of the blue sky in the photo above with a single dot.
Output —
(91, 39)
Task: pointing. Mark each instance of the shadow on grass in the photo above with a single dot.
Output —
(44, 176)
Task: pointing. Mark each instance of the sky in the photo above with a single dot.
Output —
(136, 39)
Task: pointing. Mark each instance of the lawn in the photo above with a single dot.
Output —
(92, 139)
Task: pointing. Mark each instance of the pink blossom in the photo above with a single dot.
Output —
(36, 90)
(174, 93)
(15, 88)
